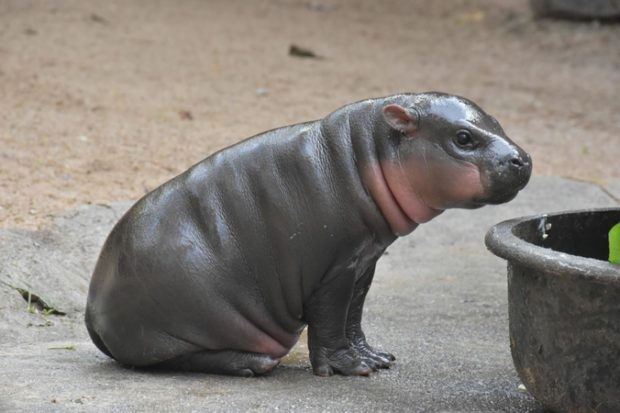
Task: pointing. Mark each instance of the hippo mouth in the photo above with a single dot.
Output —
(492, 199)
(502, 198)
(508, 189)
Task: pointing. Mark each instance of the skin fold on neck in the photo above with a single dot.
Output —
(401, 206)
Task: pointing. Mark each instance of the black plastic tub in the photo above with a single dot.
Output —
(564, 307)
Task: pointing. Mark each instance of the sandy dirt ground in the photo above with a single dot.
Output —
(105, 100)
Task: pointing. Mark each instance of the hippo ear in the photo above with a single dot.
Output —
(400, 118)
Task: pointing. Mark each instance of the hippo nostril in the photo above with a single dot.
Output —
(517, 162)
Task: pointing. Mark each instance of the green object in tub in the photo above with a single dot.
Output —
(614, 244)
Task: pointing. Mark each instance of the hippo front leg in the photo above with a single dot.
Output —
(326, 314)
(373, 358)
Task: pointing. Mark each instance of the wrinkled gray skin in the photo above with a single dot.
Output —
(220, 269)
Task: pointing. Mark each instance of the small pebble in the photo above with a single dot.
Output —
(186, 115)
(262, 91)
(319, 6)
(98, 19)
(302, 52)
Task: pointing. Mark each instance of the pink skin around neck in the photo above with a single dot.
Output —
(404, 200)
(403, 210)
(415, 190)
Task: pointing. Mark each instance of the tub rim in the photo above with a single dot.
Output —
(501, 241)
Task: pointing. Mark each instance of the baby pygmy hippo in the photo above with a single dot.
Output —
(221, 268)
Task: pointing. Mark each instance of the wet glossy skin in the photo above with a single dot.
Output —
(505, 168)
(427, 171)
(220, 269)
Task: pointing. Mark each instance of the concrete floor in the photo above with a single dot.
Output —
(438, 303)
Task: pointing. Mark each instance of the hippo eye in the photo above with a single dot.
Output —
(463, 139)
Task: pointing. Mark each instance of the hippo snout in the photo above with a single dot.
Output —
(518, 167)
(510, 172)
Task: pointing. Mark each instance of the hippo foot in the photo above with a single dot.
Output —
(345, 361)
(374, 359)
(257, 366)
(230, 362)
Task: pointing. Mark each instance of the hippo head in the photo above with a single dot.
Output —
(446, 152)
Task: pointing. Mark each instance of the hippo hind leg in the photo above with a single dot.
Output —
(230, 362)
